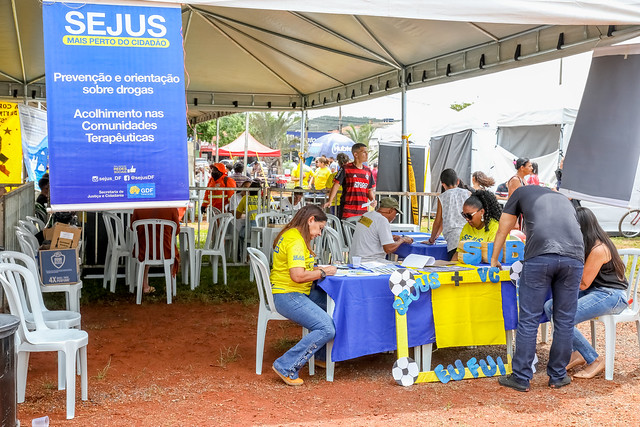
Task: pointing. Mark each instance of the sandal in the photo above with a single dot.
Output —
(592, 370)
(287, 380)
(149, 291)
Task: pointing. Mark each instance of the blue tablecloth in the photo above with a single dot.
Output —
(438, 250)
(365, 319)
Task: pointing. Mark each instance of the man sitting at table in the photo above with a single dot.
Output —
(372, 239)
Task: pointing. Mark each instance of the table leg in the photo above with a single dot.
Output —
(426, 357)
(330, 363)
(510, 343)
(192, 259)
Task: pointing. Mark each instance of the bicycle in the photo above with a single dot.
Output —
(629, 225)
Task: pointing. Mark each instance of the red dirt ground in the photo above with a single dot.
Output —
(156, 364)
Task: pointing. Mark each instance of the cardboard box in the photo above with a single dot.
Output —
(59, 266)
(65, 236)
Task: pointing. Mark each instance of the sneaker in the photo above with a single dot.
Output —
(287, 380)
(511, 382)
(560, 383)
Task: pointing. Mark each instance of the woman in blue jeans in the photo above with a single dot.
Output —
(602, 291)
(294, 294)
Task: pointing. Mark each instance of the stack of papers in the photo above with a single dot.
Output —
(418, 261)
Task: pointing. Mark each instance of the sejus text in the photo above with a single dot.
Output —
(98, 24)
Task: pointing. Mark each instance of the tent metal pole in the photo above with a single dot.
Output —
(246, 137)
(218, 140)
(302, 139)
(405, 210)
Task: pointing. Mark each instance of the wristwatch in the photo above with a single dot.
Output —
(322, 274)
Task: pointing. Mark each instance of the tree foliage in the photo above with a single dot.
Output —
(461, 106)
(271, 129)
(361, 134)
(230, 128)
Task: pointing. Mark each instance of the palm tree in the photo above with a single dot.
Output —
(361, 134)
(271, 129)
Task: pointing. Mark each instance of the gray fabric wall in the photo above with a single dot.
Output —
(530, 141)
(389, 166)
(451, 151)
(602, 156)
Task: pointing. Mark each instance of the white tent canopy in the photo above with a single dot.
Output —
(261, 54)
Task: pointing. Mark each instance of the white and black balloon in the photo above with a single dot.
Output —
(405, 371)
(515, 272)
(401, 280)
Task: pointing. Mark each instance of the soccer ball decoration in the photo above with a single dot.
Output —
(401, 280)
(515, 271)
(405, 371)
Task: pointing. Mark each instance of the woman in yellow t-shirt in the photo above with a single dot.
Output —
(482, 212)
(294, 296)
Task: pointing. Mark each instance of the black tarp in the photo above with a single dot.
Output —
(602, 157)
(451, 151)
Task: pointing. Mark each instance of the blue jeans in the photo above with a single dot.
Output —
(592, 302)
(562, 274)
(311, 313)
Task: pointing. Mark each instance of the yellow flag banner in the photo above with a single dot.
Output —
(10, 144)
(412, 184)
(469, 314)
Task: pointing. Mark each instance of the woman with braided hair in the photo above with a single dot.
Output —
(482, 213)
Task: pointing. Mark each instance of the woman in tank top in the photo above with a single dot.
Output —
(602, 291)
(448, 220)
(523, 168)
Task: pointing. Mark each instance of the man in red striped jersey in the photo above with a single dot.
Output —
(357, 184)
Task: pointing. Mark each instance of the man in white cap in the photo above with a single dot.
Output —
(372, 239)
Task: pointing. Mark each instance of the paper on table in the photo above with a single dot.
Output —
(418, 261)
(373, 264)
(366, 205)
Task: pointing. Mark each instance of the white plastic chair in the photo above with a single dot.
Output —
(335, 223)
(28, 225)
(349, 227)
(29, 246)
(214, 246)
(154, 238)
(267, 311)
(36, 221)
(630, 314)
(69, 341)
(332, 245)
(56, 319)
(118, 247)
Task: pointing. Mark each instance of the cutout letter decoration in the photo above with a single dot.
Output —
(472, 253)
(456, 374)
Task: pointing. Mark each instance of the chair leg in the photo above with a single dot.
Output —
(22, 369)
(262, 332)
(73, 299)
(609, 347)
(84, 375)
(214, 266)
(224, 269)
(593, 333)
(312, 359)
(140, 268)
(106, 274)
(168, 281)
(61, 371)
(70, 365)
(544, 332)
(114, 271)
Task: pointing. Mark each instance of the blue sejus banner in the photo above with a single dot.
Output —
(116, 106)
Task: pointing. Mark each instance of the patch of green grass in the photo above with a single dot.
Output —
(239, 289)
(624, 243)
(228, 355)
(49, 384)
(102, 373)
(285, 343)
